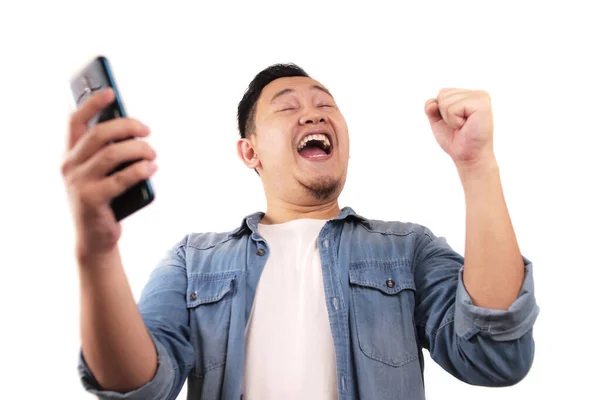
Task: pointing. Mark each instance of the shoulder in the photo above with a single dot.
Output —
(395, 228)
(203, 241)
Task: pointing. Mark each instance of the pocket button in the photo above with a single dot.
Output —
(390, 283)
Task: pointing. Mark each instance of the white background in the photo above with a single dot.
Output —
(182, 69)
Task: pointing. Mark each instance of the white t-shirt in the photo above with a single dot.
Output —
(289, 345)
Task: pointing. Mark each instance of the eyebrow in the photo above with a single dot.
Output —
(286, 91)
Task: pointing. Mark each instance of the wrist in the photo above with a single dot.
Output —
(480, 170)
(96, 259)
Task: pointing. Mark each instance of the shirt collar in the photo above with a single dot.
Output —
(250, 222)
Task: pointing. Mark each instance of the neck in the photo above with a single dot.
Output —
(279, 211)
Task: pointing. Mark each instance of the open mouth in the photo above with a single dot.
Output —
(315, 146)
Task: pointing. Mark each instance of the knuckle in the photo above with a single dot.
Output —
(133, 127)
(130, 124)
(147, 149)
(137, 126)
(74, 179)
(110, 154)
(128, 176)
(86, 195)
(141, 169)
(135, 148)
(121, 127)
(93, 133)
(121, 179)
(65, 166)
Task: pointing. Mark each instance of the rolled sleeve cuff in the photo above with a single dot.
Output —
(500, 325)
(158, 388)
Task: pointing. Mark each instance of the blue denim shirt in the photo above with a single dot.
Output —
(392, 290)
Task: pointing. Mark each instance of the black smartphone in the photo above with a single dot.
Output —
(95, 76)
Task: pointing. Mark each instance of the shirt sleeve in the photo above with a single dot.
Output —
(157, 388)
(163, 309)
(500, 325)
(477, 345)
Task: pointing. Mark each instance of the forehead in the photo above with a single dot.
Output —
(295, 83)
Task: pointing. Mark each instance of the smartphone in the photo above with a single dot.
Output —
(95, 76)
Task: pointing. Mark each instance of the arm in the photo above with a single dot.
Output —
(115, 342)
(479, 346)
(125, 348)
(462, 123)
(475, 314)
(494, 270)
(163, 316)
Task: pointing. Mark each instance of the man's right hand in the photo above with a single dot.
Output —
(88, 159)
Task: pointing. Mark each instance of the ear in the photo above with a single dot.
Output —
(246, 153)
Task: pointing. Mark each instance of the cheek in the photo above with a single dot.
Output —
(274, 147)
(341, 129)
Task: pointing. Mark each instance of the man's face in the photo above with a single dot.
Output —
(301, 141)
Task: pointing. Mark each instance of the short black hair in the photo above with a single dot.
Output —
(247, 106)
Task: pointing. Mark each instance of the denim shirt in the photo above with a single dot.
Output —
(392, 289)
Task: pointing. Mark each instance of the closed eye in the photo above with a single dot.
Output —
(324, 105)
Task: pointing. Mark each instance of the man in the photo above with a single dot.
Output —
(307, 300)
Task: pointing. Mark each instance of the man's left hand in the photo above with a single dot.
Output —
(462, 123)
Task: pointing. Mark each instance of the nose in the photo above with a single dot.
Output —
(312, 117)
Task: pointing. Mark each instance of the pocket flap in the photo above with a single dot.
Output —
(387, 277)
(208, 288)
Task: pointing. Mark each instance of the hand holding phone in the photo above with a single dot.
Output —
(94, 77)
(106, 167)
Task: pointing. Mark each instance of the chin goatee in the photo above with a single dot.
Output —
(322, 189)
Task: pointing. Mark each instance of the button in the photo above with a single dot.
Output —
(260, 252)
(326, 243)
(390, 283)
(193, 296)
(335, 303)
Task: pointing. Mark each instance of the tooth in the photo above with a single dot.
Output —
(319, 136)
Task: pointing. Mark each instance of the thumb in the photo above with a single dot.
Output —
(432, 110)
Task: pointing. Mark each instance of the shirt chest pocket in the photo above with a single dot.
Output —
(209, 305)
(383, 301)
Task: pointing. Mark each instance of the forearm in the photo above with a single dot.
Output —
(115, 342)
(494, 269)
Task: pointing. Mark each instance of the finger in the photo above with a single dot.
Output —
(113, 155)
(444, 96)
(450, 91)
(104, 133)
(461, 110)
(457, 114)
(90, 108)
(446, 102)
(116, 184)
(432, 111)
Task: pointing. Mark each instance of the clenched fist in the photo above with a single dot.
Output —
(462, 123)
